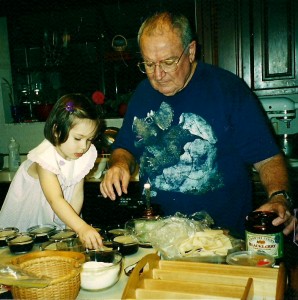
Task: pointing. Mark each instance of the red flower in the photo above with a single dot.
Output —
(98, 97)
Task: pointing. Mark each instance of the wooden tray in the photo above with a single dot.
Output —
(154, 278)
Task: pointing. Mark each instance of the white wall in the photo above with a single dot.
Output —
(29, 135)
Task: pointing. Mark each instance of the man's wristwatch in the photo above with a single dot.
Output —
(284, 193)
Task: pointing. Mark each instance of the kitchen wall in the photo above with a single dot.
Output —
(30, 135)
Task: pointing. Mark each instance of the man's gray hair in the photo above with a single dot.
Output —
(177, 22)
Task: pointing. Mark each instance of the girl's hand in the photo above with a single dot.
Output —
(89, 236)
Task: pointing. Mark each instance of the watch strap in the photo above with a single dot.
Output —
(286, 195)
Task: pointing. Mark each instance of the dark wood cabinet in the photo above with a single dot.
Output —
(257, 40)
(59, 47)
(219, 33)
(274, 46)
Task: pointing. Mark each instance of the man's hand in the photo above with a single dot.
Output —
(284, 216)
(116, 179)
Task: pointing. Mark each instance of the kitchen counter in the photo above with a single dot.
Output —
(95, 175)
(115, 292)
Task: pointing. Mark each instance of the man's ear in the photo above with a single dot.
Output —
(192, 51)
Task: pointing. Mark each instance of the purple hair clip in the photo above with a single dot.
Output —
(69, 107)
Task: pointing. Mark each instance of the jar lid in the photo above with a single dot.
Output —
(262, 217)
(262, 220)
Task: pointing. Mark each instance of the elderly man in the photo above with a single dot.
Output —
(190, 128)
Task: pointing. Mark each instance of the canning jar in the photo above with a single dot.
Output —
(262, 235)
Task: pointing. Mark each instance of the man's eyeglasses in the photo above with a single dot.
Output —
(167, 65)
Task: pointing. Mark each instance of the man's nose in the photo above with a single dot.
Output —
(158, 71)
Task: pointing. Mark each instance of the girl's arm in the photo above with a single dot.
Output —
(68, 214)
(78, 197)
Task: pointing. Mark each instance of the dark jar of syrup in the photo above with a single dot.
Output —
(262, 235)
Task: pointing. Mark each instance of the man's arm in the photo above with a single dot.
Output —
(121, 165)
(273, 174)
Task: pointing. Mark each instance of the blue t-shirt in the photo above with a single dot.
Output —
(195, 148)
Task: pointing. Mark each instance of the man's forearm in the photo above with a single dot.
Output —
(273, 174)
(124, 158)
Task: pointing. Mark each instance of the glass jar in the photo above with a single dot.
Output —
(262, 235)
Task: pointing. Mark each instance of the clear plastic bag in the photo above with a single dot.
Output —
(14, 275)
(168, 235)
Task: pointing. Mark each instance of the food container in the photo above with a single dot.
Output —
(42, 232)
(116, 232)
(63, 234)
(6, 232)
(126, 245)
(103, 255)
(102, 270)
(21, 242)
(68, 244)
(251, 258)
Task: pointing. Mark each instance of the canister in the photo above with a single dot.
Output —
(262, 235)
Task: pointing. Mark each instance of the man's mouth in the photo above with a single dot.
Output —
(78, 154)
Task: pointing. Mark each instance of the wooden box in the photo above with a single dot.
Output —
(154, 278)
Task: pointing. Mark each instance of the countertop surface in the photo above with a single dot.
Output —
(114, 292)
(95, 175)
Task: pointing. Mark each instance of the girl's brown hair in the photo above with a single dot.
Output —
(64, 115)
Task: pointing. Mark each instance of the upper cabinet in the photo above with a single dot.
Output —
(274, 43)
(59, 47)
(257, 40)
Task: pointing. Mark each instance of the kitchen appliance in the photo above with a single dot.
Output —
(280, 108)
(281, 111)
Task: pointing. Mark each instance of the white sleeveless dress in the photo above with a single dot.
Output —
(25, 204)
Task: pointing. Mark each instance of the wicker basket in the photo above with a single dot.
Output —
(63, 267)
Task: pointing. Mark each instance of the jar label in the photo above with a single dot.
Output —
(271, 244)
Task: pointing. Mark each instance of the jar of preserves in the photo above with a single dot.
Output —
(262, 235)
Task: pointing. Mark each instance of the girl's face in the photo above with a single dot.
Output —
(79, 140)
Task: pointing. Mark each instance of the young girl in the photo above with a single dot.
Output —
(48, 186)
